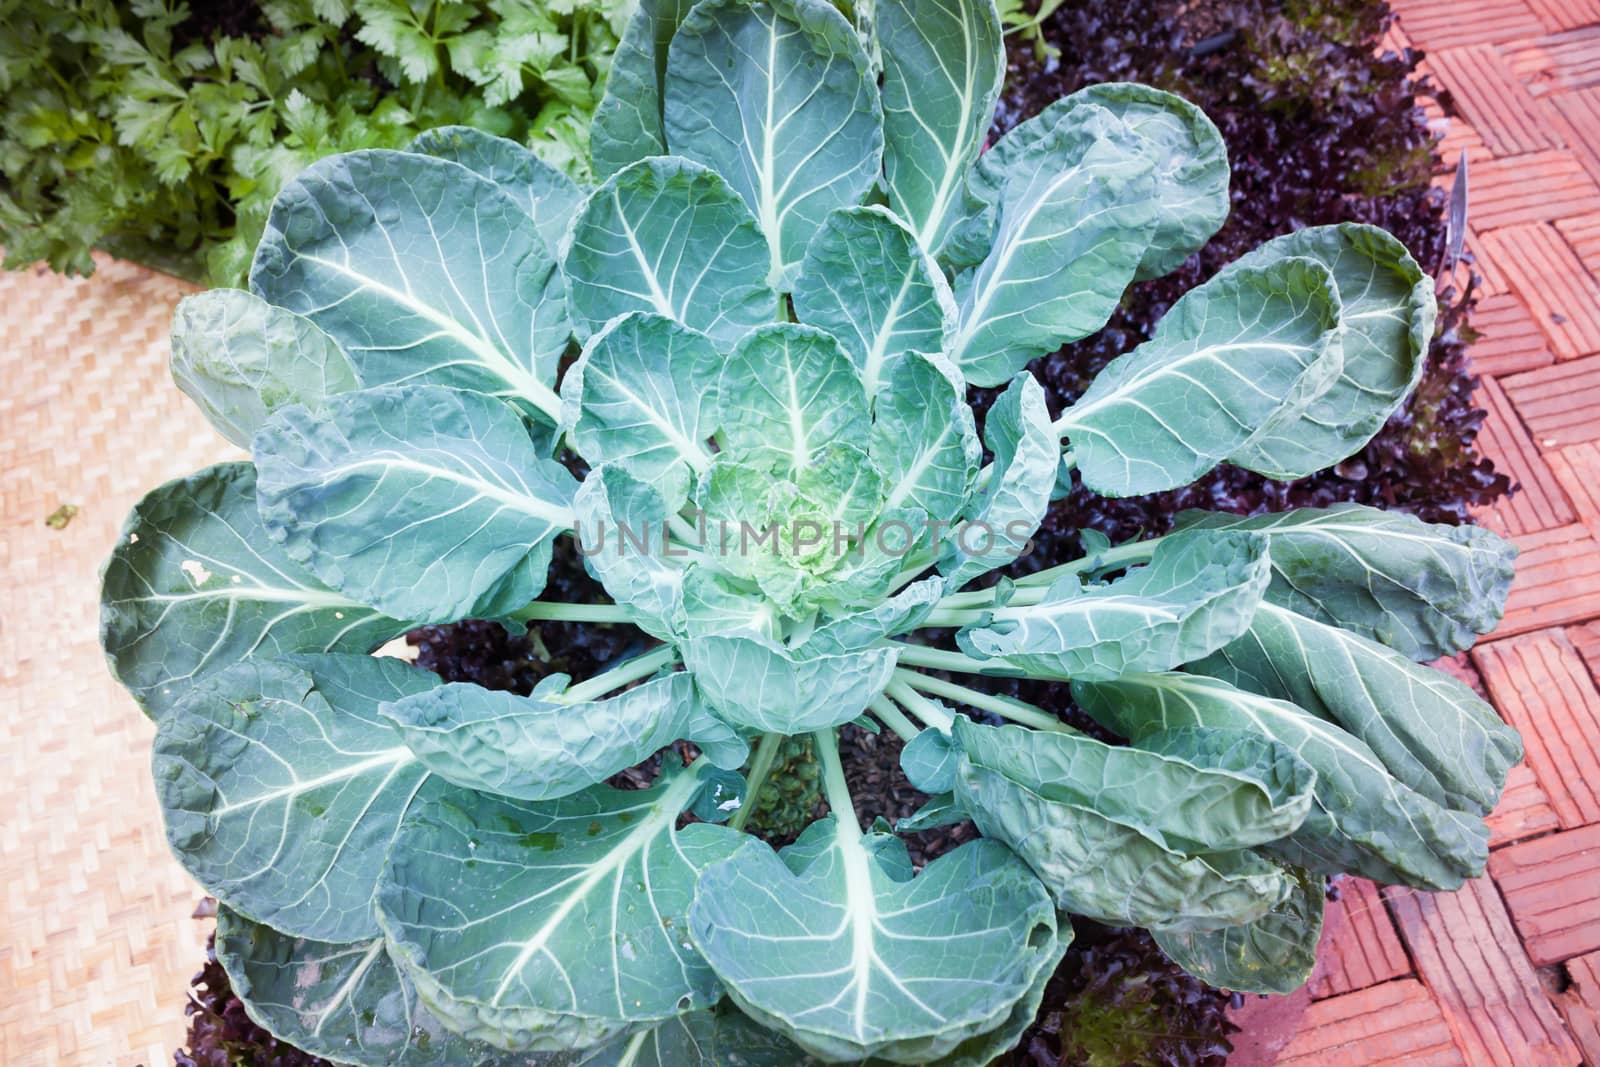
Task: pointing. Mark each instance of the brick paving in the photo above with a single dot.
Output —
(1506, 972)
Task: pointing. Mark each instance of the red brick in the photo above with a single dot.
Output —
(1359, 946)
(1575, 114)
(1395, 1024)
(1461, 669)
(1566, 14)
(1456, 135)
(1491, 281)
(1435, 24)
(1583, 235)
(1560, 405)
(1578, 470)
(1580, 1004)
(1541, 686)
(1540, 187)
(1558, 581)
(1508, 340)
(1542, 269)
(1491, 98)
(1538, 502)
(1586, 639)
(1523, 811)
(1468, 956)
(1557, 61)
(1552, 887)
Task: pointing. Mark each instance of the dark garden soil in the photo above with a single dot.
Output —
(1320, 130)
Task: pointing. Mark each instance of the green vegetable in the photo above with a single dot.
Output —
(782, 483)
(137, 129)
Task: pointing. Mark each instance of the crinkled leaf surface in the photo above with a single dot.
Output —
(1273, 954)
(195, 584)
(1187, 152)
(776, 96)
(643, 571)
(1230, 354)
(669, 236)
(835, 944)
(1363, 820)
(1075, 216)
(1430, 730)
(1425, 590)
(923, 438)
(347, 1002)
(865, 280)
(627, 124)
(904, 611)
(553, 925)
(1010, 505)
(545, 193)
(1388, 311)
(943, 64)
(282, 787)
(422, 270)
(428, 503)
(644, 395)
(755, 682)
(791, 389)
(240, 359)
(1198, 592)
(1110, 871)
(1199, 794)
(541, 747)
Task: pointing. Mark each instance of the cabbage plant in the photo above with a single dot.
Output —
(736, 373)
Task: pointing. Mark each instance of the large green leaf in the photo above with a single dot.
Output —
(1197, 593)
(1273, 954)
(923, 438)
(669, 236)
(347, 1002)
(627, 124)
(791, 389)
(828, 942)
(542, 747)
(422, 270)
(943, 64)
(1424, 589)
(1209, 791)
(865, 280)
(1008, 508)
(755, 682)
(282, 787)
(1430, 730)
(553, 925)
(195, 585)
(1109, 871)
(777, 97)
(621, 531)
(545, 193)
(1363, 820)
(1388, 313)
(1230, 355)
(1076, 213)
(1185, 148)
(856, 630)
(428, 503)
(644, 395)
(240, 359)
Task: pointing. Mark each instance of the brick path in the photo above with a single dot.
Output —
(1506, 973)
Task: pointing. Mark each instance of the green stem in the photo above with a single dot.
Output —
(919, 705)
(638, 667)
(544, 611)
(834, 786)
(760, 766)
(1120, 556)
(893, 718)
(938, 659)
(1017, 711)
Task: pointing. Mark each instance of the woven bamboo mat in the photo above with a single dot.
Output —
(96, 942)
